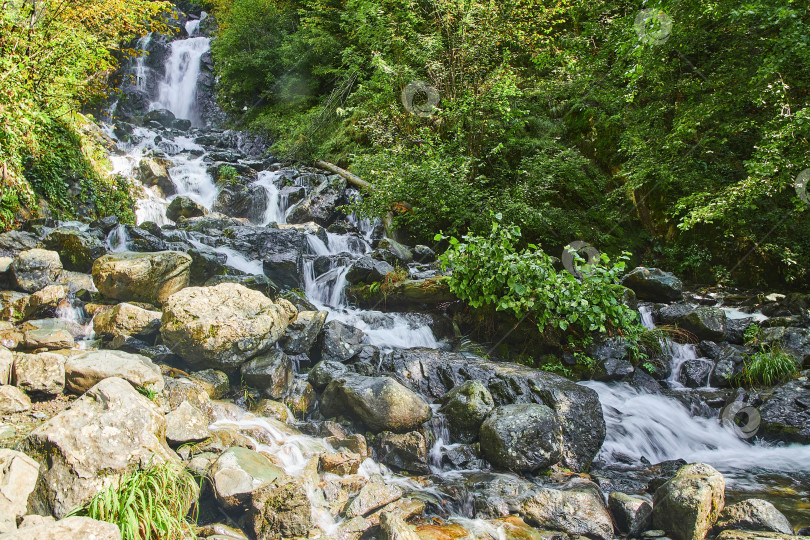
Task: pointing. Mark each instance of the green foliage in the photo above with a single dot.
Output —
(751, 335)
(149, 503)
(767, 367)
(227, 174)
(492, 271)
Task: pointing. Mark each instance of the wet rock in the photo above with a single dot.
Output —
(300, 398)
(186, 424)
(214, 382)
(632, 514)
(695, 373)
(155, 172)
(785, 413)
(42, 373)
(579, 413)
(324, 372)
(284, 268)
(71, 527)
(6, 364)
(319, 206)
(141, 277)
(18, 478)
(759, 535)
(127, 320)
(280, 509)
(653, 285)
(613, 358)
(372, 496)
(260, 283)
(341, 463)
(793, 341)
(338, 341)
(243, 201)
(404, 452)
(164, 117)
(272, 409)
(12, 243)
(393, 527)
(84, 371)
(35, 269)
(578, 509)
(302, 332)
(368, 270)
(271, 373)
(423, 254)
(400, 251)
(753, 515)
(43, 303)
(735, 329)
(77, 250)
(13, 400)
(380, 403)
(106, 433)
(704, 322)
(221, 327)
(237, 473)
(408, 295)
(184, 207)
(466, 406)
(522, 437)
(178, 390)
(688, 505)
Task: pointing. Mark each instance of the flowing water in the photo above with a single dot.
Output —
(640, 425)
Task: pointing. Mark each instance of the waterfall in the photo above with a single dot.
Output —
(178, 90)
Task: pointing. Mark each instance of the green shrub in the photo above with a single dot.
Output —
(227, 174)
(491, 271)
(149, 503)
(767, 367)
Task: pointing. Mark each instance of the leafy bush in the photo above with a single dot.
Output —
(767, 367)
(149, 503)
(491, 271)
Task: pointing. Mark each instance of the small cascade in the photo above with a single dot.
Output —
(277, 204)
(140, 62)
(117, 239)
(178, 90)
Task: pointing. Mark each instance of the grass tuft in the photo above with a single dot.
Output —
(768, 367)
(149, 503)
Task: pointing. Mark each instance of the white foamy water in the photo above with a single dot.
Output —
(178, 90)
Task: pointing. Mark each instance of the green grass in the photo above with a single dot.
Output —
(768, 367)
(149, 503)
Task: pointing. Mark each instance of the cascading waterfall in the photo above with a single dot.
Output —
(178, 91)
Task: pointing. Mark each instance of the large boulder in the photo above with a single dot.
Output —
(689, 503)
(237, 473)
(186, 424)
(70, 527)
(6, 363)
(271, 373)
(243, 201)
(35, 269)
(108, 432)
(221, 327)
(126, 319)
(404, 451)
(84, 371)
(793, 341)
(577, 509)
(523, 437)
(753, 515)
(321, 205)
(654, 285)
(77, 250)
(42, 373)
(302, 332)
(155, 172)
(704, 322)
(631, 513)
(141, 277)
(380, 403)
(785, 413)
(466, 406)
(324, 372)
(18, 478)
(339, 341)
(433, 373)
(368, 270)
(13, 400)
(184, 207)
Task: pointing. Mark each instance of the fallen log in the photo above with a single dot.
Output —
(351, 178)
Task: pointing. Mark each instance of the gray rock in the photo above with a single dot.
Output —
(523, 437)
(186, 424)
(368, 270)
(127, 320)
(237, 473)
(705, 323)
(302, 332)
(653, 285)
(579, 413)
(404, 452)
(43, 372)
(84, 371)
(339, 341)
(393, 527)
(105, 434)
(372, 496)
(466, 406)
(687, 505)
(35, 269)
(49, 334)
(141, 277)
(279, 509)
(214, 382)
(155, 172)
(221, 327)
(243, 201)
(380, 403)
(13, 400)
(324, 372)
(14, 242)
(400, 251)
(319, 206)
(785, 413)
(41, 304)
(578, 509)
(613, 357)
(18, 478)
(71, 527)
(6, 364)
(184, 207)
(271, 373)
(77, 250)
(793, 341)
(759, 535)
(695, 373)
(632, 514)
(753, 515)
